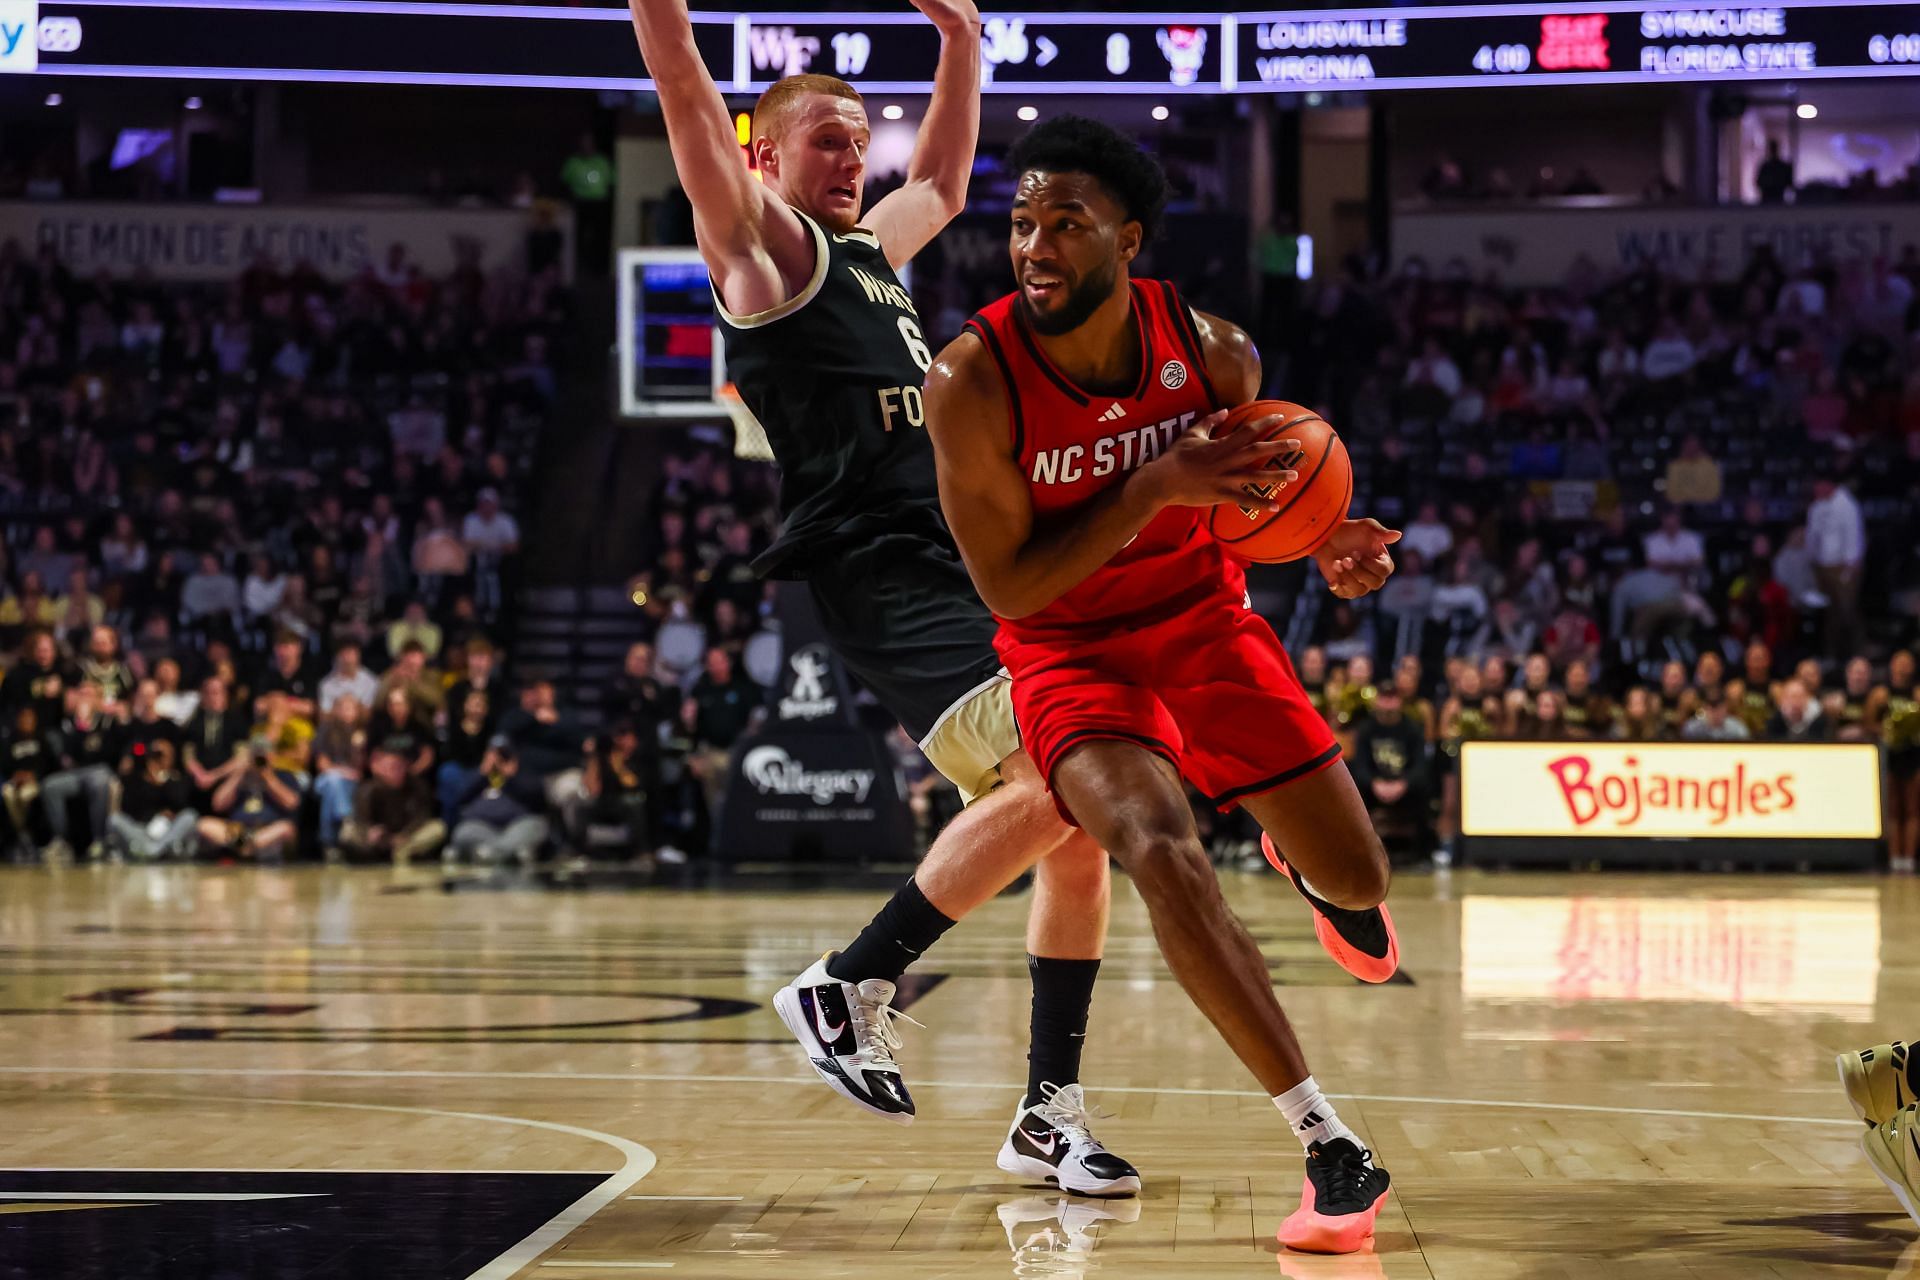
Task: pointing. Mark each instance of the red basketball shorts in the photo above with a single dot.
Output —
(1210, 689)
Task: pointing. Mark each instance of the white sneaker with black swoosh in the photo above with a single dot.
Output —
(1054, 1142)
(846, 1030)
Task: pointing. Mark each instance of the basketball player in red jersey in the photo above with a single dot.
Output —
(1072, 429)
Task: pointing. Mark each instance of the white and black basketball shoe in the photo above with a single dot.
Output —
(846, 1030)
(1053, 1142)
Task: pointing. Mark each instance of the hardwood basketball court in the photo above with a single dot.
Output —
(363, 1075)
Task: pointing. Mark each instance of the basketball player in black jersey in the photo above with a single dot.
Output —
(826, 349)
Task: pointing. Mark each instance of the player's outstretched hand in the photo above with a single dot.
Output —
(1201, 469)
(951, 14)
(1354, 558)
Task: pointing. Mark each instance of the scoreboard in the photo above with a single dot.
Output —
(546, 46)
(1565, 45)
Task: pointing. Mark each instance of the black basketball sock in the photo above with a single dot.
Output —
(893, 939)
(1062, 994)
(1913, 1070)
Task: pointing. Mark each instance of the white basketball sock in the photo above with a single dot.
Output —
(1310, 1116)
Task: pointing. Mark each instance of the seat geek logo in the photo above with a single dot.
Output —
(19, 35)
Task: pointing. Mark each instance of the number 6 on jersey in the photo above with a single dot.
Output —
(916, 345)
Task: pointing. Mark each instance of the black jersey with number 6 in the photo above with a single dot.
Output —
(834, 374)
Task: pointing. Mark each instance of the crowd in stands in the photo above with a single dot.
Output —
(258, 551)
(259, 544)
(1449, 181)
(1654, 506)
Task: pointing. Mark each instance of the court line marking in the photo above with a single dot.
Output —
(811, 1081)
(638, 1162)
(94, 1168)
(184, 1197)
(686, 1197)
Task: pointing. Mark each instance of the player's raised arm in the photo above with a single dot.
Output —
(1354, 558)
(755, 246)
(936, 187)
(1021, 565)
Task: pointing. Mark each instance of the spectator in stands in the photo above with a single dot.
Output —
(38, 679)
(1693, 476)
(1713, 721)
(549, 747)
(347, 679)
(26, 757)
(1850, 707)
(262, 591)
(1640, 719)
(722, 705)
(1837, 546)
(1428, 534)
(172, 701)
(1389, 759)
(80, 610)
(1589, 712)
(1459, 606)
(637, 694)
(85, 752)
(210, 598)
(289, 674)
(212, 741)
(123, 553)
(340, 746)
(617, 798)
(399, 715)
(492, 821)
(392, 810)
(254, 807)
(1797, 716)
(463, 748)
(411, 673)
(1774, 176)
(144, 725)
(1571, 637)
(1675, 549)
(478, 675)
(156, 818)
(1433, 367)
(488, 530)
(414, 631)
(1509, 631)
(1669, 357)
(101, 667)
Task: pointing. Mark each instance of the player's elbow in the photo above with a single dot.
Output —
(1008, 601)
(952, 196)
(942, 190)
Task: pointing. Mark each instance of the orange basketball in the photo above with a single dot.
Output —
(1309, 507)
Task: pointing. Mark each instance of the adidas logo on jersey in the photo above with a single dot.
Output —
(1114, 412)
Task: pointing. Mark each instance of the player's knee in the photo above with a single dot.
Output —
(1166, 863)
(1361, 878)
(1076, 865)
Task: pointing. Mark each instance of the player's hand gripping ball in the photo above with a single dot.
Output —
(1306, 510)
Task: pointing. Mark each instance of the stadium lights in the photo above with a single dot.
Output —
(54, 99)
(1161, 113)
(1028, 113)
(193, 103)
(1806, 111)
(893, 111)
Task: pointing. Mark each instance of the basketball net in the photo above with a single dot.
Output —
(749, 437)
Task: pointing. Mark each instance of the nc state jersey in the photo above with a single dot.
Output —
(1072, 445)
